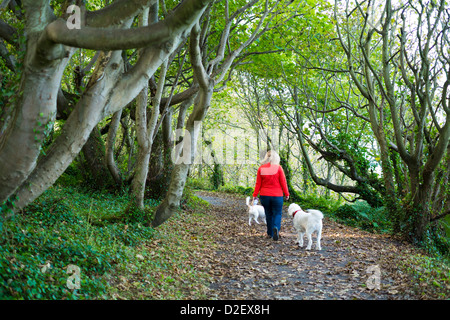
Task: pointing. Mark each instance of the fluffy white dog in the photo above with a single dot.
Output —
(255, 211)
(306, 222)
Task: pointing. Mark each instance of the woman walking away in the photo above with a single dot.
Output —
(271, 186)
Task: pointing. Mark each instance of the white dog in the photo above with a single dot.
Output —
(255, 211)
(306, 222)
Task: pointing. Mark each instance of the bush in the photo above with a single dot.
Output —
(326, 205)
(347, 212)
(34, 261)
(199, 183)
(236, 190)
(436, 240)
(362, 215)
(190, 202)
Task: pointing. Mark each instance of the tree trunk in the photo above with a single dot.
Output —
(95, 162)
(160, 169)
(33, 117)
(48, 50)
(143, 151)
(389, 192)
(110, 141)
(145, 132)
(420, 213)
(181, 168)
(85, 116)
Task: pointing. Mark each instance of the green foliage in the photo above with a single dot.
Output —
(198, 183)
(28, 247)
(190, 202)
(66, 227)
(133, 214)
(358, 158)
(431, 275)
(308, 33)
(217, 176)
(6, 209)
(359, 154)
(236, 189)
(72, 176)
(362, 215)
(324, 204)
(370, 195)
(102, 235)
(436, 240)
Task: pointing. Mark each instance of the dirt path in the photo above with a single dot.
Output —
(248, 265)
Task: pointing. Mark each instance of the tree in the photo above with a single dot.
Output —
(50, 43)
(312, 105)
(126, 59)
(381, 75)
(398, 59)
(208, 75)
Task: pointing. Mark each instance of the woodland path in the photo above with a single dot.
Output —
(248, 265)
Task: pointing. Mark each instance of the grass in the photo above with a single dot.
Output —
(116, 253)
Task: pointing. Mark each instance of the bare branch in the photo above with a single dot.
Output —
(196, 58)
(120, 39)
(116, 13)
(8, 33)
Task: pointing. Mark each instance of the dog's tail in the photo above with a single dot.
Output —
(248, 201)
(316, 214)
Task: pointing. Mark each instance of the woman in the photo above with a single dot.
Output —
(271, 185)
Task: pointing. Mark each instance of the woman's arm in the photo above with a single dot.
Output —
(283, 183)
(258, 184)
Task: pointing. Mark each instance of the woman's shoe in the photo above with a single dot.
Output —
(276, 236)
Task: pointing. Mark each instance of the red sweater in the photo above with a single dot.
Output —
(270, 181)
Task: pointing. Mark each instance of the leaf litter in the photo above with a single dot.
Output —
(246, 264)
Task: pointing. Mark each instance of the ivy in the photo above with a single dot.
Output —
(64, 227)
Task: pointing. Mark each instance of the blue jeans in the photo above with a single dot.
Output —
(273, 207)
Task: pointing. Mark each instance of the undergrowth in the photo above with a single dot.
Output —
(68, 233)
(363, 216)
(430, 276)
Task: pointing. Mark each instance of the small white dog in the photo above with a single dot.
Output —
(306, 222)
(255, 211)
